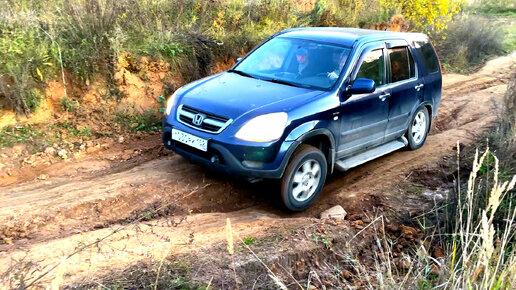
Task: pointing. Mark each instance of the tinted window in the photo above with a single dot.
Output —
(402, 64)
(427, 53)
(372, 67)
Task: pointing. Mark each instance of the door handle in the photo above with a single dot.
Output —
(383, 97)
(419, 87)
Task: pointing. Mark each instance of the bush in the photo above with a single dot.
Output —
(430, 16)
(68, 105)
(147, 121)
(25, 62)
(468, 42)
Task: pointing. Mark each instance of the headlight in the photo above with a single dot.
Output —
(263, 128)
(171, 101)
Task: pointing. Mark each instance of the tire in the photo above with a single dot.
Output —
(418, 129)
(302, 182)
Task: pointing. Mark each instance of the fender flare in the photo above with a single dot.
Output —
(308, 130)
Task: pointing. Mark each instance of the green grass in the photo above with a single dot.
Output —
(12, 135)
(249, 240)
(77, 131)
(135, 122)
(414, 189)
(321, 239)
(39, 136)
(510, 35)
(68, 105)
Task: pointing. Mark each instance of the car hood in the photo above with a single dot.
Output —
(231, 95)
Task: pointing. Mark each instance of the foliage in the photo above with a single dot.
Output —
(482, 240)
(12, 135)
(134, 122)
(469, 41)
(162, 101)
(430, 16)
(68, 105)
(495, 7)
(249, 240)
(321, 239)
(77, 131)
(25, 63)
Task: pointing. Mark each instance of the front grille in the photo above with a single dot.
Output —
(210, 123)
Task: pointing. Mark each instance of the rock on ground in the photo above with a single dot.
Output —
(336, 212)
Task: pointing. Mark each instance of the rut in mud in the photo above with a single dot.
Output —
(167, 205)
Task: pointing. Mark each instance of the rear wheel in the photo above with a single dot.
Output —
(304, 177)
(418, 128)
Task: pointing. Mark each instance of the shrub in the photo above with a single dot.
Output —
(84, 28)
(468, 42)
(426, 15)
(68, 105)
(134, 122)
(25, 62)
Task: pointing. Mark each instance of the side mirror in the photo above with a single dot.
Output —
(239, 59)
(362, 86)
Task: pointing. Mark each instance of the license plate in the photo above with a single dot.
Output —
(190, 140)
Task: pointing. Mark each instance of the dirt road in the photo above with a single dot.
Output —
(164, 204)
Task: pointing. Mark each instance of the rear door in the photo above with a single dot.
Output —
(431, 72)
(406, 88)
(364, 116)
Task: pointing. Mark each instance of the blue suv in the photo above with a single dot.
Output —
(308, 101)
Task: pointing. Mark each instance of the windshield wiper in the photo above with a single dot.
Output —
(278, 81)
(241, 73)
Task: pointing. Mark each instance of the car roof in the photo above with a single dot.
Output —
(347, 36)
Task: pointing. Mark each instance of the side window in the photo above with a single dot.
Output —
(427, 54)
(373, 67)
(402, 64)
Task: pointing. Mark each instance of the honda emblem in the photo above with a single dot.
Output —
(197, 119)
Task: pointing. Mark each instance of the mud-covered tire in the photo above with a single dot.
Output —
(418, 128)
(304, 177)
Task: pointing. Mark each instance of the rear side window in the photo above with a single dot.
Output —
(427, 53)
(373, 67)
(402, 64)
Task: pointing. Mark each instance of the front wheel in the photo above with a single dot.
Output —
(418, 128)
(304, 177)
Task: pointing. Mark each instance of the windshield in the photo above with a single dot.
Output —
(297, 62)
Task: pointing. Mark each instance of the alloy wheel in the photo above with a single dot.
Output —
(419, 127)
(306, 180)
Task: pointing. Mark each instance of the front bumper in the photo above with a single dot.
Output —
(233, 159)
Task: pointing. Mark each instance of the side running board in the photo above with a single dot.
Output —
(353, 161)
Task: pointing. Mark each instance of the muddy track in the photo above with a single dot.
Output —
(83, 201)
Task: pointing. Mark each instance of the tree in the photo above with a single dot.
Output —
(425, 15)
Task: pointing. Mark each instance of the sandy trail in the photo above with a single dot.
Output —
(188, 205)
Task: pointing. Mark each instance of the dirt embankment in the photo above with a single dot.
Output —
(147, 205)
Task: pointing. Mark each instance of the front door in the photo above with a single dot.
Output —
(364, 116)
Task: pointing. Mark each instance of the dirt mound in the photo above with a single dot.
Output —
(142, 81)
